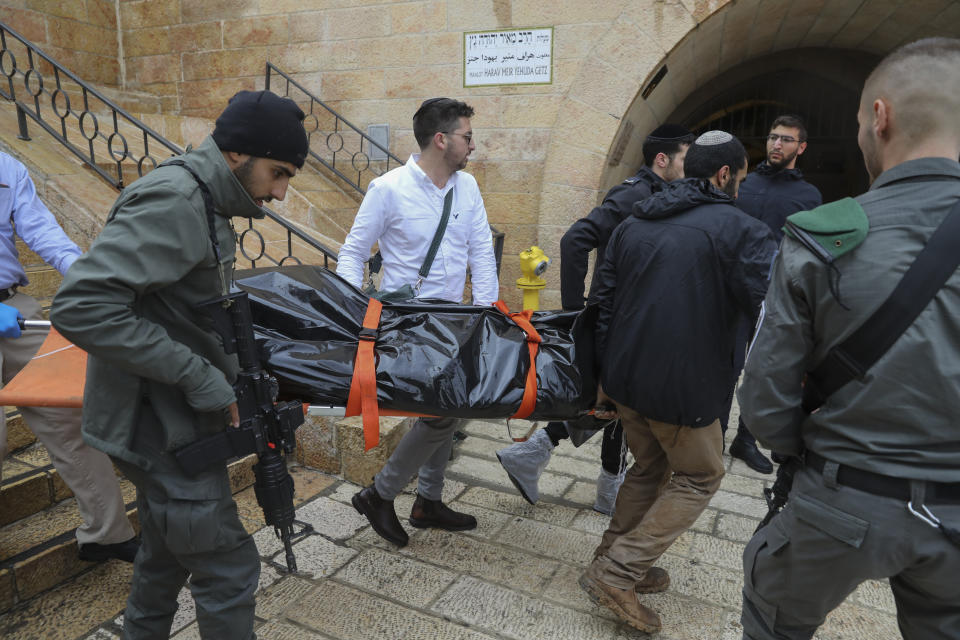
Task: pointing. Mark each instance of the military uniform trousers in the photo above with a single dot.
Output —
(829, 539)
(676, 471)
(189, 527)
(87, 471)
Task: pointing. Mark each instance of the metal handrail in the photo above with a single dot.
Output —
(115, 141)
(334, 141)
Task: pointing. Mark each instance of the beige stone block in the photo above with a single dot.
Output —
(75, 9)
(262, 30)
(418, 82)
(568, 165)
(618, 47)
(514, 176)
(150, 13)
(563, 204)
(154, 69)
(417, 17)
(307, 26)
(92, 67)
(499, 145)
(529, 111)
(361, 22)
(207, 98)
(218, 9)
(29, 24)
(576, 118)
(317, 444)
(146, 42)
(18, 433)
(229, 63)
(102, 13)
(667, 23)
(49, 568)
(703, 9)
(593, 86)
(60, 489)
(535, 13)
(512, 208)
(7, 590)
(441, 48)
(197, 37)
(360, 466)
(476, 15)
(576, 40)
(300, 58)
(339, 85)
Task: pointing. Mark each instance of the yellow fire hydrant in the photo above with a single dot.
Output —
(533, 262)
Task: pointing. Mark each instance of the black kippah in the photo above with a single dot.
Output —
(264, 125)
(668, 132)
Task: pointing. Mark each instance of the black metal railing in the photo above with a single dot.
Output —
(341, 147)
(108, 139)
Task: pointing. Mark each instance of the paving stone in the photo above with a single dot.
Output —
(190, 633)
(713, 550)
(853, 622)
(451, 489)
(332, 519)
(684, 618)
(739, 504)
(513, 503)
(582, 492)
(489, 523)
(704, 581)
(489, 471)
(276, 630)
(493, 562)
(340, 611)
(480, 447)
(591, 521)
(737, 528)
(705, 521)
(747, 486)
(563, 589)
(739, 468)
(586, 470)
(318, 556)
(549, 540)
(344, 492)
(876, 594)
(186, 610)
(280, 595)
(515, 615)
(403, 579)
(102, 634)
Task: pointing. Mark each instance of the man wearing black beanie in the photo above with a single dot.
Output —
(157, 375)
(663, 153)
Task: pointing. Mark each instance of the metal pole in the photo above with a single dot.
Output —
(22, 122)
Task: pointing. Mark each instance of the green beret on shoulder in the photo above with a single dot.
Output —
(830, 230)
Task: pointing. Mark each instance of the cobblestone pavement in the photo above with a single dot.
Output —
(515, 576)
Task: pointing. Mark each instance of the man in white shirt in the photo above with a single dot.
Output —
(401, 211)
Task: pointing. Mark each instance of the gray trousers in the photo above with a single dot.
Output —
(87, 471)
(829, 539)
(424, 450)
(190, 528)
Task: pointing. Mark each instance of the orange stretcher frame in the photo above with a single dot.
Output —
(55, 377)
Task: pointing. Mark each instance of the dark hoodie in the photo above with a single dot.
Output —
(770, 195)
(676, 276)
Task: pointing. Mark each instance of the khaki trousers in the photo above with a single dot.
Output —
(87, 471)
(676, 471)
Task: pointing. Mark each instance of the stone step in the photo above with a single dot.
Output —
(43, 284)
(18, 434)
(39, 551)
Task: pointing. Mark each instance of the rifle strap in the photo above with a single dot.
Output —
(362, 399)
(852, 358)
(522, 319)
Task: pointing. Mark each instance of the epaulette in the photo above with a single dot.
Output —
(632, 181)
(828, 232)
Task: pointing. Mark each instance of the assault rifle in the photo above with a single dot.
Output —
(267, 428)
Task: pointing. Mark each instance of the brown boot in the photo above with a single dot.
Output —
(623, 602)
(655, 581)
(433, 513)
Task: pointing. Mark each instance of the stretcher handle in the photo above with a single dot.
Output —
(33, 324)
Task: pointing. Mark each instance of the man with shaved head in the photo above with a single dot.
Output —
(878, 495)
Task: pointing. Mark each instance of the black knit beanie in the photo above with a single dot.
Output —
(263, 125)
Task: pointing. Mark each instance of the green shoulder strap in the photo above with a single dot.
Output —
(437, 237)
(830, 230)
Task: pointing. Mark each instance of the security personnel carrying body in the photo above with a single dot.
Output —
(158, 377)
(879, 495)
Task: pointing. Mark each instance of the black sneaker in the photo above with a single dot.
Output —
(93, 552)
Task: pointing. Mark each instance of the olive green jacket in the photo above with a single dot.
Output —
(132, 303)
(901, 418)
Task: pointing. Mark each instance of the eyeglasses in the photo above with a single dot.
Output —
(467, 137)
(773, 137)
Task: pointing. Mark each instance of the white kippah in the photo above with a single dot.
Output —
(714, 137)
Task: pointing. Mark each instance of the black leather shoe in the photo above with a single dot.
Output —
(433, 513)
(748, 452)
(93, 552)
(381, 515)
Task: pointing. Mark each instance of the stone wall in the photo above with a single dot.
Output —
(79, 34)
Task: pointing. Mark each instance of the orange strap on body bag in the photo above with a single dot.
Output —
(363, 386)
(522, 319)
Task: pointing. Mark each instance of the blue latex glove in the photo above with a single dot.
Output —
(9, 325)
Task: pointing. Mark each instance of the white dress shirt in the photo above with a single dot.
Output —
(402, 211)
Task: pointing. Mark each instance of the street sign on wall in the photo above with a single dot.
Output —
(515, 56)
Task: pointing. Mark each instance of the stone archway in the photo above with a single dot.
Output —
(620, 92)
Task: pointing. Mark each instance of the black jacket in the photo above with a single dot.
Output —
(676, 277)
(770, 195)
(594, 231)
